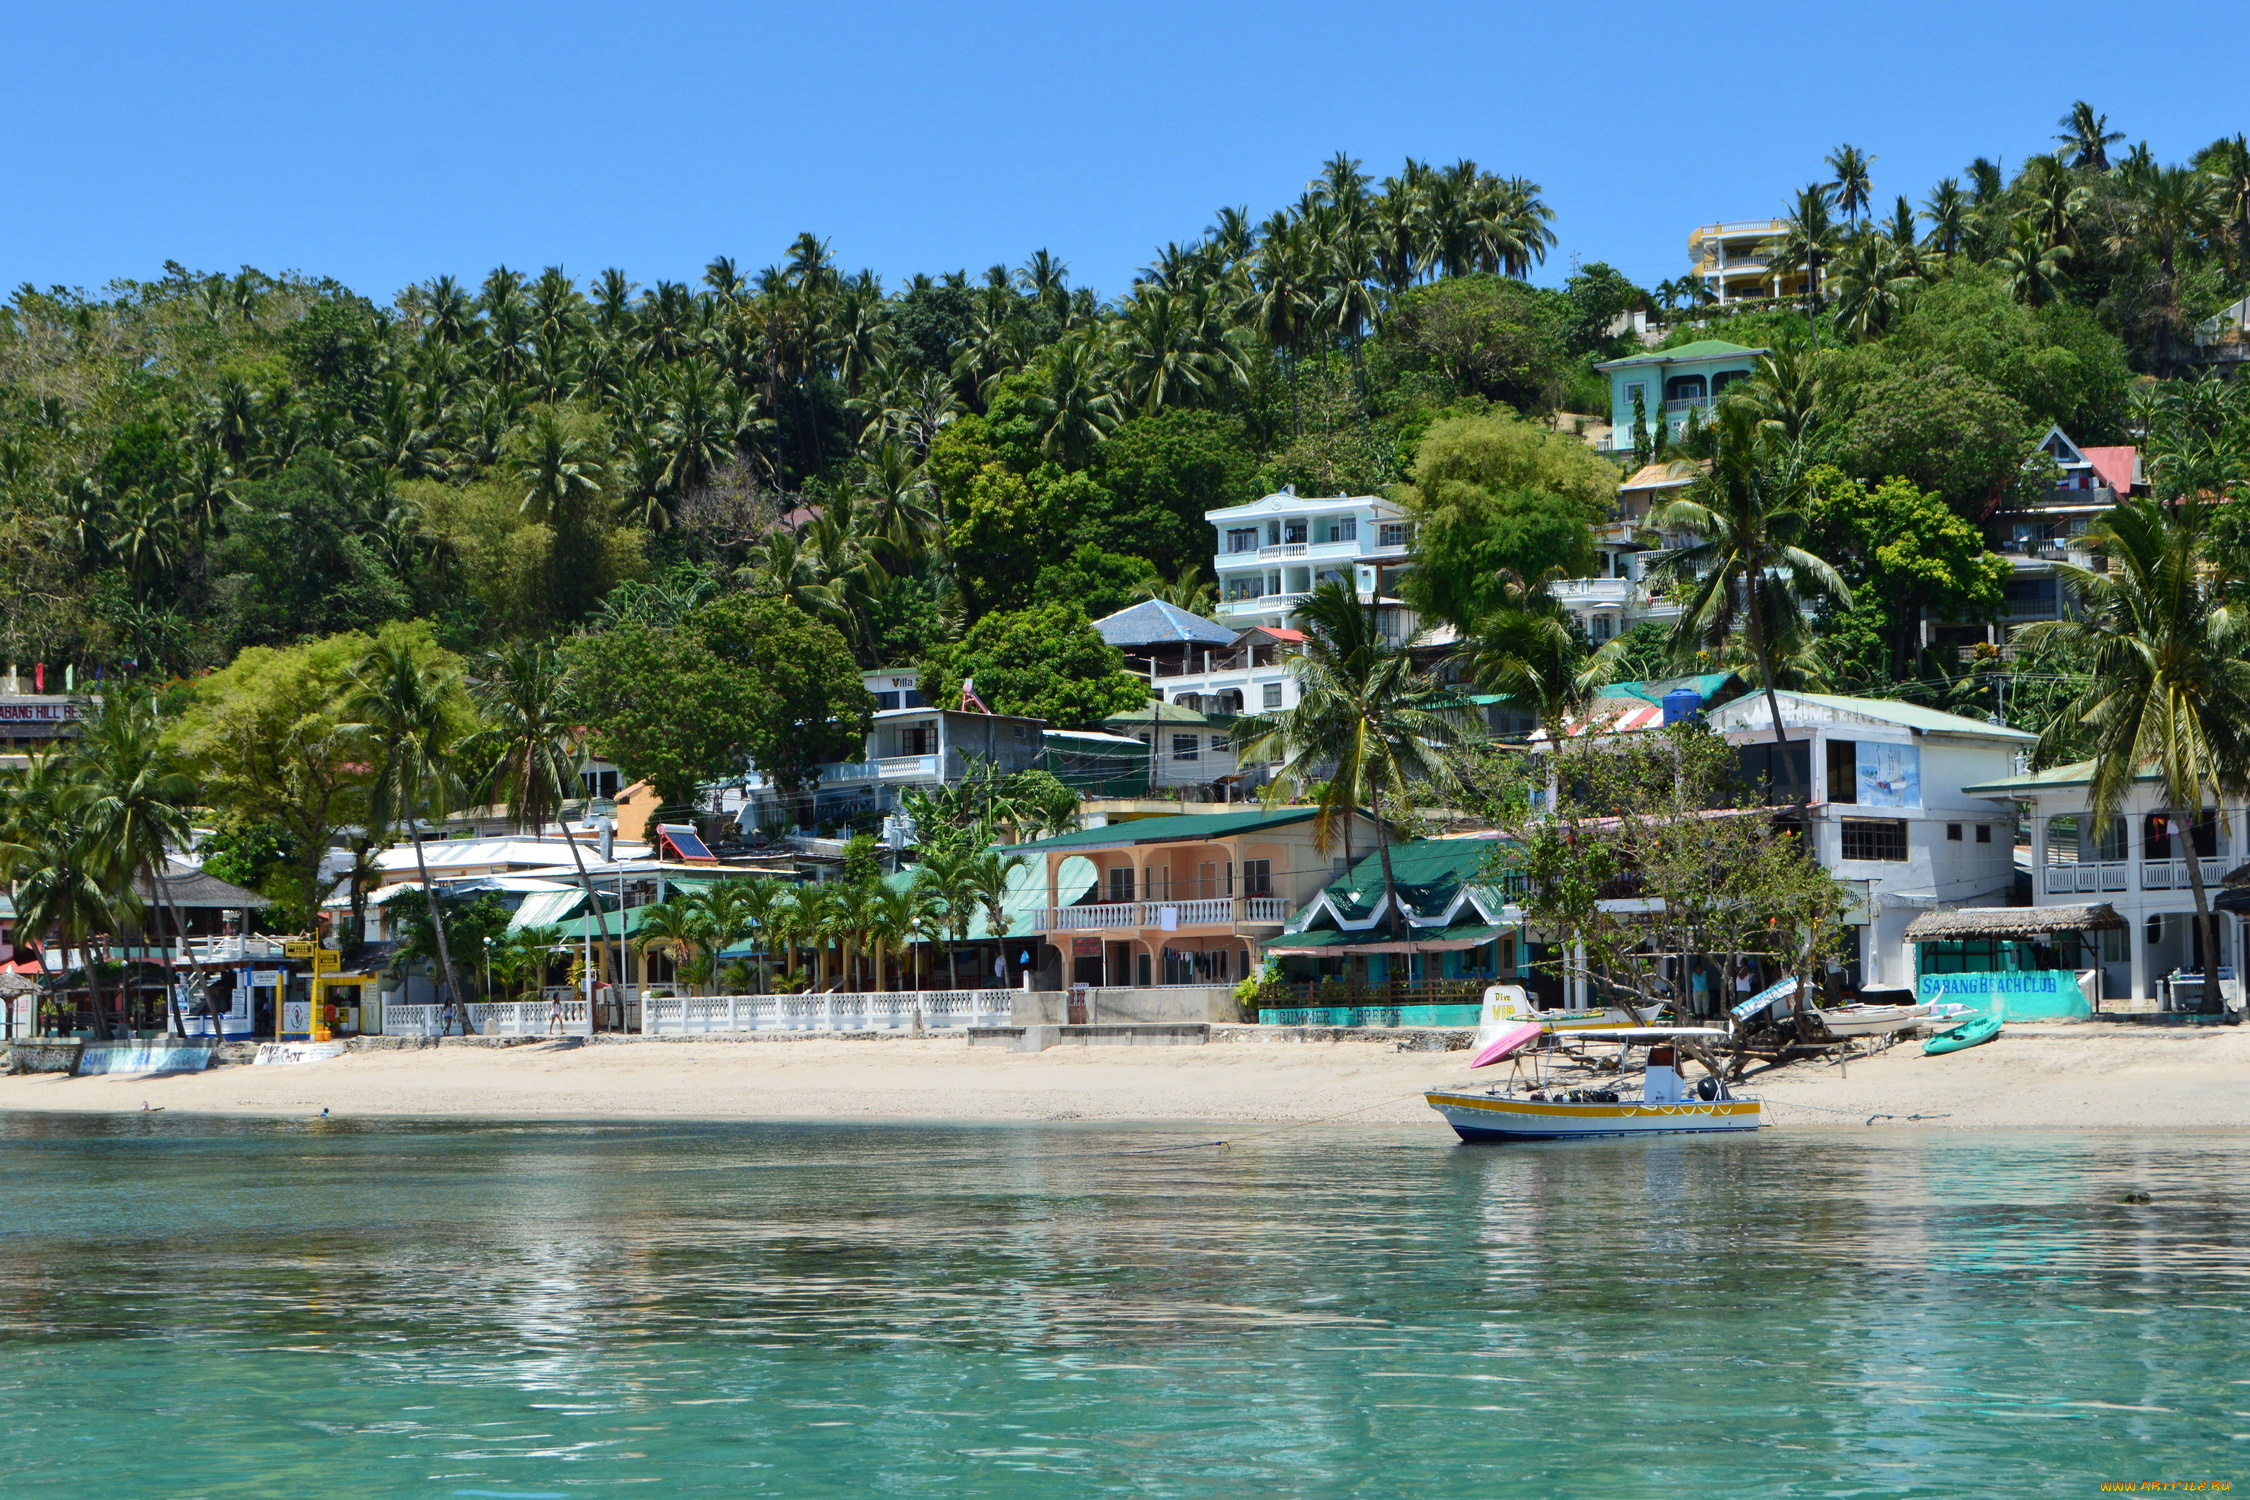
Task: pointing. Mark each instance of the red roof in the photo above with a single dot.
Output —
(2115, 465)
(1283, 635)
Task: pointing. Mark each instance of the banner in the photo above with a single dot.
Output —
(2019, 994)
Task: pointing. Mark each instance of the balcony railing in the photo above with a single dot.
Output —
(1284, 549)
(853, 772)
(2063, 880)
(1218, 911)
(2172, 874)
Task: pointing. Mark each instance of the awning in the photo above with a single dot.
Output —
(1377, 940)
(2012, 922)
(546, 908)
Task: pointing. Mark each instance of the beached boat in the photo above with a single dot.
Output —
(1511, 1004)
(1870, 1020)
(1974, 1032)
(1528, 1108)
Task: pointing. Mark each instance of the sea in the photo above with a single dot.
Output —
(198, 1307)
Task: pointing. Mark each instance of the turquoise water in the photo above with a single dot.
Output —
(210, 1308)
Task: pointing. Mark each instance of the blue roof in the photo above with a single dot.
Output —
(1152, 622)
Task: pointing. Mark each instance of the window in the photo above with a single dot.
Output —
(1270, 695)
(1190, 700)
(1394, 534)
(886, 700)
(1725, 378)
(1777, 772)
(1293, 531)
(1684, 388)
(916, 739)
(1866, 838)
(1602, 628)
(1218, 744)
(1953, 833)
(1257, 877)
(1250, 586)
(1121, 884)
(1184, 747)
(1347, 530)
(1244, 539)
(1984, 833)
(1843, 771)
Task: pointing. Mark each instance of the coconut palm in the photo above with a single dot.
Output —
(1365, 730)
(1526, 651)
(1747, 573)
(410, 704)
(133, 796)
(1073, 406)
(1807, 237)
(2169, 688)
(679, 929)
(2031, 268)
(1852, 186)
(1946, 211)
(2086, 137)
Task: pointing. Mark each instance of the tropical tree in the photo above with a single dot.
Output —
(409, 699)
(2168, 694)
(1746, 572)
(1852, 186)
(1526, 651)
(1366, 729)
(2086, 137)
(133, 797)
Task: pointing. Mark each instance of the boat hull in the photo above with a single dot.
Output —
(1872, 1020)
(1477, 1116)
(1974, 1032)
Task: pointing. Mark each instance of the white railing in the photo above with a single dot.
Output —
(2071, 879)
(1094, 918)
(224, 950)
(713, 1015)
(845, 772)
(1283, 549)
(1213, 911)
(2172, 874)
(499, 1018)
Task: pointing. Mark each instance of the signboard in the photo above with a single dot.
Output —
(1780, 989)
(297, 948)
(1888, 775)
(1085, 947)
(2020, 995)
(326, 960)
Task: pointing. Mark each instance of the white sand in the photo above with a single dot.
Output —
(2033, 1077)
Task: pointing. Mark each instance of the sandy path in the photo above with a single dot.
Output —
(2051, 1077)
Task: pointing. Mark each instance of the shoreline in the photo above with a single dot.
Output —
(2082, 1076)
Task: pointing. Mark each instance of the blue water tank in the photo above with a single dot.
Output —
(1682, 704)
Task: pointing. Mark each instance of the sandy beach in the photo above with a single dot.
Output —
(2057, 1077)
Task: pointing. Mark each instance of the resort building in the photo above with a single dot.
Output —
(1896, 800)
(1668, 384)
(2137, 863)
(921, 746)
(1620, 595)
(1274, 551)
(1458, 930)
(2034, 538)
(1182, 900)
(1734, 260)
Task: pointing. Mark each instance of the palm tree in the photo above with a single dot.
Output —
(679, 929)
(65, 882)
(1365, 724)
(1947, 211)
(134, 798)
(1073, 407)
(2032, 269)
(1746, 571)
(1872, 285)
(1806, 237)
(2087, 137)
(2177, 207)
(1852, 186)
(2228, 164)
(2169, 688)
(1526, 651)
(409, 704)
(761, 907)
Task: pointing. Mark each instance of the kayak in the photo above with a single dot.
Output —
(1970, 1033)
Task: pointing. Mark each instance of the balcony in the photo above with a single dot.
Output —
(2174, 875)
(861, 772)
(2070, 880)
(1220, 911)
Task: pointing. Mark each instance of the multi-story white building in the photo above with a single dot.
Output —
(1274, 551)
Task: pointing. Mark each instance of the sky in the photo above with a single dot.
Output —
(385, 144)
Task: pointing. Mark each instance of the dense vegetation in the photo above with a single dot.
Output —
(720, 492)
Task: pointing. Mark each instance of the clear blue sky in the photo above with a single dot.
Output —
(382, 144)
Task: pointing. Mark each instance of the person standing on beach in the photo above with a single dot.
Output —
(554, 1015)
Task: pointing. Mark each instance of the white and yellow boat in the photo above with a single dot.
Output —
(1510, 1004)
(1530, 1110)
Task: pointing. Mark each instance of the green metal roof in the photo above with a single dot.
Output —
(1430, 874)
(1700, 349)
(1167, 713)
(1171, 829)
(2054, 778)
(1914, 716)
(1330, 937)
(1707, 686)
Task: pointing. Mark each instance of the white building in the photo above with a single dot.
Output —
(2136, 862)
(1620, 594)
(1897, 796)
(1274, 551)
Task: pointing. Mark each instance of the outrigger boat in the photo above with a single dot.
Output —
(1870, 1020)
(1528, 1109)
(1510, 1004)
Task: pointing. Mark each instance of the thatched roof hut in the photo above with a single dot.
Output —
(2012, 922)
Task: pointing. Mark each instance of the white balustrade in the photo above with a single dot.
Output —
(498, 1018)
(712, 1015)
(1265, 909)
(1093, 918)
(2172, 874)
(1217, 911)
(2071, 879)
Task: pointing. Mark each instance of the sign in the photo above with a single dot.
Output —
(271, 1053)
(2019, 994)
(1888, 775)
(1780, 989)
(1085, 947)
(297, 948)
(326, 960)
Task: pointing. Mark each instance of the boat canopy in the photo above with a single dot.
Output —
(1645, 1033)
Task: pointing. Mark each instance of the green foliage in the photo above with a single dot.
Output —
(1044, 662)
(1161, 473)
(252, 855)
(1098, 583)
(1906, 556)
(739, 680)
(469, 920)
(293, 566)
(1487, 336)
(1940, 428)
(1494, 493)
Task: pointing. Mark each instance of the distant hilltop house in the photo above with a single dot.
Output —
(1668, 384)
(1734, 263)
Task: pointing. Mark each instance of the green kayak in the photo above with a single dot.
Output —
(1970, 1033)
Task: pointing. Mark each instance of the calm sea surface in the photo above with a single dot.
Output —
(210, 1308)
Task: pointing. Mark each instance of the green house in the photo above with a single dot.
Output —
(1670, 383)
